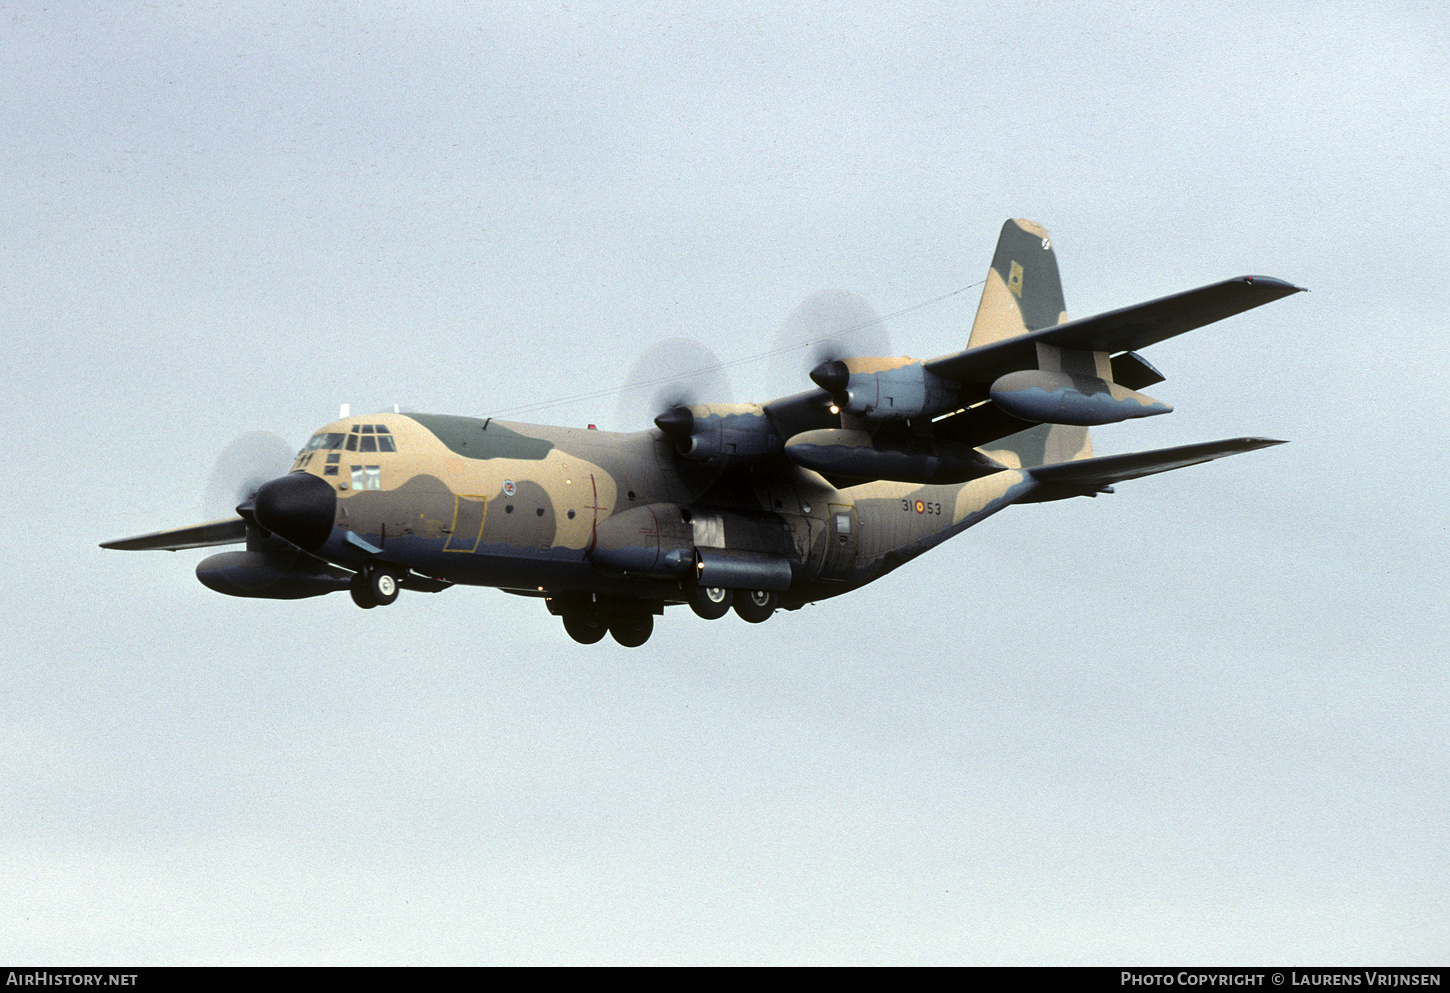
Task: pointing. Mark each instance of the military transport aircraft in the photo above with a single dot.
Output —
(755, 506)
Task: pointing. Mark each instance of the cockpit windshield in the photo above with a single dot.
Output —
(370, 438)
(331, 439)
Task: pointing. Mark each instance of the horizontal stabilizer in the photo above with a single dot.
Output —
(1088, 477)
(1122, 330)
(223, 532)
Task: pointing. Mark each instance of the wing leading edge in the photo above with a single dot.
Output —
(1118, 331)
(223, 532)
(1122, 330)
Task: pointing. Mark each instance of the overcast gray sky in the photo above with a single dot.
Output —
(1201, 720)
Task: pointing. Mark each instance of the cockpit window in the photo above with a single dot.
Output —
(370, 438)
(330, 439)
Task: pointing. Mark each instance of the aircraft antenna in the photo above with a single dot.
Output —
(761, 356)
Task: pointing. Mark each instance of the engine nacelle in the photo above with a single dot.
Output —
(721, 432)
(886, 388)
(838, 453)
(268, 575)
(1060, 398)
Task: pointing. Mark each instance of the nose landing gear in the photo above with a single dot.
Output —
(374, 586)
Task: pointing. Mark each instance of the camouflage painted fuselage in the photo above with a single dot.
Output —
(750, 506)
(522, 507)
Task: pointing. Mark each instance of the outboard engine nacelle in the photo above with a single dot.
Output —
(886, 389)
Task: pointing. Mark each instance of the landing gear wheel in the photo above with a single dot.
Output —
(631, 630)
(586, 626)
(362, 593)
(755, 605)
(710, 602)
(383, 585)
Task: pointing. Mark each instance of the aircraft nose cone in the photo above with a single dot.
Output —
(299, 506)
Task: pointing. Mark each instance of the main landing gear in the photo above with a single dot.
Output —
(590, 626)
(756, 606)
(630, 622)
(587, 620)
(374, 586)
(714, 602)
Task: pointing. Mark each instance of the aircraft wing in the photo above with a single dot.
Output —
(223, 532)
(1123, 330)
(1127, 329)
(808, 411)
(1088, 477)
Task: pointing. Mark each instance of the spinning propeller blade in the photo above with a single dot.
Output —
(827, 326)
(242, 468)
(674, 373)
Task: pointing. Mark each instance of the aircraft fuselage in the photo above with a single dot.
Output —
(560, 511)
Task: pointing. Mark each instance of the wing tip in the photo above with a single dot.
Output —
(1282, 286)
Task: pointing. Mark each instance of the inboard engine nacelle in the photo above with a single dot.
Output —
(847, 454)
(720, 432)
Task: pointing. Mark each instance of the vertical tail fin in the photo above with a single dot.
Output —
(1024, 293)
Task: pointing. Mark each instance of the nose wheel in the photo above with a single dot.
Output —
(374, 586)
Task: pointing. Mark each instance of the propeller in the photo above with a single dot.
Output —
(828, 326)
(667, 377)
(242, 468)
